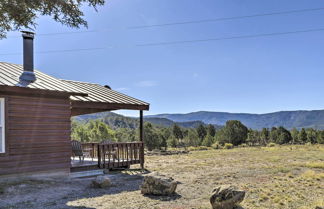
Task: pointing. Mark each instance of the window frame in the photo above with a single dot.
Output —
(3, 125)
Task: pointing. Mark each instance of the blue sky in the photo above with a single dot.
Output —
(256, 75)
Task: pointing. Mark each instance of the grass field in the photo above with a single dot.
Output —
(273, 177)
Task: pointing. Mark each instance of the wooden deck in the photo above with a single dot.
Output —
(108, 156)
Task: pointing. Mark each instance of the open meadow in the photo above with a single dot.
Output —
(273, 177)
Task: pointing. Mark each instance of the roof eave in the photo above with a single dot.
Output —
(109, 106)
(26, 90)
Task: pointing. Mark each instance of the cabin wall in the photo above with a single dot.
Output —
(37, 135)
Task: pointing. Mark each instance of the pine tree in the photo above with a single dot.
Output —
(302, 136)
(202, 132)
(211, 130)
(208, 141)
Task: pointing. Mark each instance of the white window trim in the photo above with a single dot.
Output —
(2, 110)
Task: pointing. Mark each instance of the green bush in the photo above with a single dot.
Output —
(271, 144)
(228, 146)
(216, 146)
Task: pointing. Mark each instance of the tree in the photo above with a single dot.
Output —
(208, 140)
(274, 135)
(294, 134)
(211, 130)
(164, 135)
(17, 14)
(302, 136)
(320, 137)
(202, 132)
(192, 139)
(80, 132)
(177, 132)
(264, 136)
(172, 141)
(252, 137)
(311, 135)
(151, 138)
(284, 136)
(234, 132)
(99, 131)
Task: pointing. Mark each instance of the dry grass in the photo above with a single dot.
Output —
(274, 177)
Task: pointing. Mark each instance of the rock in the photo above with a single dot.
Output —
(101, 182)
(319, 207)
(106, 171)
(226, 197)
(156, 184)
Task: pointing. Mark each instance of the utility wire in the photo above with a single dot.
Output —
(231, 37)
(179, 42)
(184, 22)
(227, 18)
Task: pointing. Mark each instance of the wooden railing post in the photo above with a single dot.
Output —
(99, 155)
(142, 139)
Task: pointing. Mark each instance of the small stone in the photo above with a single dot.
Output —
(101, 182)
(156, 184)
(226, 197)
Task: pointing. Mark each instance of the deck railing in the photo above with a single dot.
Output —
(121, 154)
(117, 154)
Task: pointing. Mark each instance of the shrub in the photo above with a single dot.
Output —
(243, 145)
(228, 146)
(271, 144)
(202, 148)
(216, 146)
(191, 148)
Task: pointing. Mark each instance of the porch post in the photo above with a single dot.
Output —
(141, 129)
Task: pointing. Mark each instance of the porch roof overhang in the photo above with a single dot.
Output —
(101, 98)
(82, 107)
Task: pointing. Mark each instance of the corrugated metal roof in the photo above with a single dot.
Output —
(9, 76)
(99, 93)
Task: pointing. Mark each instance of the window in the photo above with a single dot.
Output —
(2, 125)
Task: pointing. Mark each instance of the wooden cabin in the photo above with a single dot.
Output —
(35, 117)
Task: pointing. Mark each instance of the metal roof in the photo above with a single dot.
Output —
(99, 93)
(9, 76)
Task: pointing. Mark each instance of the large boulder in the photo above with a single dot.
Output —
(101, 182)
(226, 197)
(157, 184)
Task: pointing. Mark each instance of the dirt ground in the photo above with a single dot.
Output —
(273, 177)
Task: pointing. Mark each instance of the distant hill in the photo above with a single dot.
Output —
(288, 119)
(119, 121)
(167, 122)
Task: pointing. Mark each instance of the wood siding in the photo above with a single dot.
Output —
(37, 134)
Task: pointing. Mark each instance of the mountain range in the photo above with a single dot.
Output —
(287, 119)
(119, 121)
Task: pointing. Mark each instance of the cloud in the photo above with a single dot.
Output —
(146, 83)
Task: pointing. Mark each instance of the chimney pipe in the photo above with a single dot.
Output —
(28, 76)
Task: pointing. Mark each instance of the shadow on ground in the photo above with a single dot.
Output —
(57, 193)
(164, 198)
